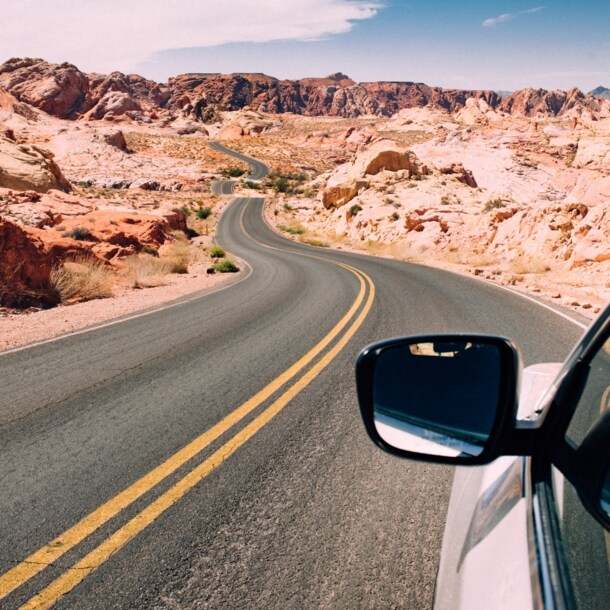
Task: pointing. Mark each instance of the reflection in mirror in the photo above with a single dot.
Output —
(605, 495)
(437, 398)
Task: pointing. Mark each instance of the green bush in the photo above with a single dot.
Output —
(233, 172)
(292, 230)
(204, 213)
(355, 209)
(225, 266)
(252, 185)
(150, 250)
(217, 252)
(493, 204)
(80, 234)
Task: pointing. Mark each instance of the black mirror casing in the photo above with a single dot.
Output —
(507, 367)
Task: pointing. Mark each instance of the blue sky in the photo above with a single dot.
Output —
(462, 44)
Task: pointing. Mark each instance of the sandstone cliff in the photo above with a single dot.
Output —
(62, 90)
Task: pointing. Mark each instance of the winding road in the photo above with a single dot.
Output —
(210, 454)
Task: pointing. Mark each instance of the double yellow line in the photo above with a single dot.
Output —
(51, 552)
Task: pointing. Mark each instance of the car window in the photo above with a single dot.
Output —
(586, 544)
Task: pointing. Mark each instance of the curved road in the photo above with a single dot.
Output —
(257, 172)
(211, 455)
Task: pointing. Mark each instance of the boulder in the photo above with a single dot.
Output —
(114, 103)
(29, 167)
(386, 155)
(340, 194)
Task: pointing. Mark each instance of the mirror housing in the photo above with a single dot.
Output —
(441, 398)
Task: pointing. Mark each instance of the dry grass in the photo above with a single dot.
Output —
(82, 280)
(145, 271)
(178, 257)
(529, 263)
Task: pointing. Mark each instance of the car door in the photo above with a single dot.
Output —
(530, 528)
(578, 546)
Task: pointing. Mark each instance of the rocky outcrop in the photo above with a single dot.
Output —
(340, 194)
(116, 234)
(29, 167)
(335, 95)
(542, 103)
(57, 89)
(27, 257)
(245, 123)
(62, 90)
(386, 155)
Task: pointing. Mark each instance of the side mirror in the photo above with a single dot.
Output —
(443, 398)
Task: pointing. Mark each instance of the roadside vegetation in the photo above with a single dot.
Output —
(82, 280)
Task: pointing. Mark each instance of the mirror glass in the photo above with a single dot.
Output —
(605, 495)
(437, 398)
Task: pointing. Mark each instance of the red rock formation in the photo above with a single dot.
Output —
(59, 90)
(27, 256)
(542, 103)
(64, 91)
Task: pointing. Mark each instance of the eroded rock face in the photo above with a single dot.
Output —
(62, 90)
(27, 256)
(59, 90)
(386, 155)
(116, 234)
(340, 194)
(29, 167)
(542, 103)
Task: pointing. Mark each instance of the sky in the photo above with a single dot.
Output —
(466, 44)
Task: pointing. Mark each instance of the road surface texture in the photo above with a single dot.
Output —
(211, 455)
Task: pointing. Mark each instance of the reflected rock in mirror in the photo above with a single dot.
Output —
(438, 398)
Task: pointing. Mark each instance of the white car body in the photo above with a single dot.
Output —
(487, 543)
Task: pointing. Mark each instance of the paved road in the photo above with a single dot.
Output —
(258, 170)
(221, 439)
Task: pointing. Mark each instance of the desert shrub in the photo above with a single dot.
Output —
(317, 243)
(204, 213)
(285, 182)
(288, 207)
(394, 216)
(308, 192)
(80, 234)
(292, 230)
(150, 250)
(252, 185)
(529, 263)
(217, 252)
(493, 204)
(233, 172)
(82, 280)
(145, 271)
(225, 266)
(178, 257)
(355, 209)
(185, 208)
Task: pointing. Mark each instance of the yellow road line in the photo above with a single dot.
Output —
(52, 551)
(67, 581)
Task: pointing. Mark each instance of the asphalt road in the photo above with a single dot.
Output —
(258, 170)
(290, 506)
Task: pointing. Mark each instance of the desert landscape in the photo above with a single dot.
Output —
(105, 184)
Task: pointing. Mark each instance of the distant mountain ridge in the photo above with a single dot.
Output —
(64, 91)
(601, 92)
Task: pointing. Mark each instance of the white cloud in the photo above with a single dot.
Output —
(492, 21)
(118, 34)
